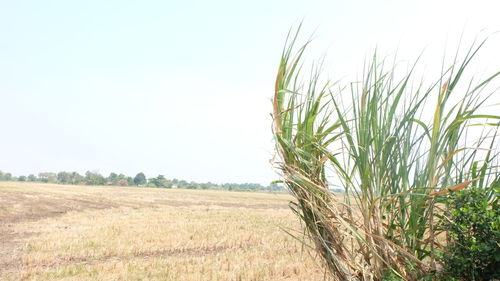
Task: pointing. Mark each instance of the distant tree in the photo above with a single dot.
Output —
(140, 179)
(205, 185)
(76, 178)
(130, 181)
(275, 187)
(48, 177)
(121, 180)
(151, 182)
(182, 184)
(160, 181)
(63, 177)
(32, 177)
(193, 185)
(94, 178)
(167, 184)
(112, 179)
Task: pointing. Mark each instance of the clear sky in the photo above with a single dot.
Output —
(183, 88)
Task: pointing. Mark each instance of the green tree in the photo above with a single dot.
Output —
(64, 177)
(160, 181)
(140, 179)
(182, 183)
(130, 181)
(193, 185)
(112, 179)
(94, 178)
(21, 178)
(76, 178)
(32, 178)
(122, 180)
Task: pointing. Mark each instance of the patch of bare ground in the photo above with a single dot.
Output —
(21, 206)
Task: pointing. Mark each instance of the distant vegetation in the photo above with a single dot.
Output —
(95, 178)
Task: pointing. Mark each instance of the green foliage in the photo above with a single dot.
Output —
(113, 179)
(64, 177)
(473, 226)
(119, 179)
(160, 181)
(76, 178)
(94, 178)
(130, 181)
(140, 179)
(391, 276)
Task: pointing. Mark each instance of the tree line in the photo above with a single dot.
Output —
(95, 178)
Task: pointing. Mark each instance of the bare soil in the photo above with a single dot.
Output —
(19, 206)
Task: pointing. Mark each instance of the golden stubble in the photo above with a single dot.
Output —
(161, 235)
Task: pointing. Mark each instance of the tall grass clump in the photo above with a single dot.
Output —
(396, 148)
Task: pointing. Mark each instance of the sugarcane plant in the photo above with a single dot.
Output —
(395, 149)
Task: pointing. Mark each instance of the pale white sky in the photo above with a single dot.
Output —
(183, 88)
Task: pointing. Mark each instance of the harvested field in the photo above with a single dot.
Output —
(62, 232)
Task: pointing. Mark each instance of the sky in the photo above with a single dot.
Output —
(183, 88)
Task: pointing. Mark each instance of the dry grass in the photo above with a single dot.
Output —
(54, 232)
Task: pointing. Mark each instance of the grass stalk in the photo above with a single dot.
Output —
(393, 165)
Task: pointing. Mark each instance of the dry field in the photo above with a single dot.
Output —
(57, 232)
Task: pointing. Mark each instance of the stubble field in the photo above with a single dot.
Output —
(62, 232)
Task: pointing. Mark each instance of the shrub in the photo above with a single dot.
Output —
(473, 252)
